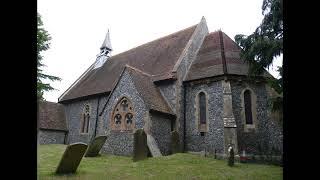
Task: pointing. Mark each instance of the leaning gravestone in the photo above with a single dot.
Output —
(153, 146)
(174, 144)
(140, 149)
(71, 158)
(95, 146)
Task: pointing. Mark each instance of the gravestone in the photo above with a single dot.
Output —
(95, 146)
(231, 156)
(175, 142)
(153, 146)
(140, 148)
(71, 158)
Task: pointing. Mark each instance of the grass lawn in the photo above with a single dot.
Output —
(177, 166)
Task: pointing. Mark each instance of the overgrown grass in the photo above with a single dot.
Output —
(177, 166)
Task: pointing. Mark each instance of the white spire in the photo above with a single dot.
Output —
(106, 43)
(104, 54)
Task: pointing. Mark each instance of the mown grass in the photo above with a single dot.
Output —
(177, 166)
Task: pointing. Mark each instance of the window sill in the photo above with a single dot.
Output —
(249, 128)
(121, 131)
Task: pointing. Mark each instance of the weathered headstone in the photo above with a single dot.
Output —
(140, 149)
(95, 146)
(175, 142)
(153, 146)
(231, 156)
(71, 158)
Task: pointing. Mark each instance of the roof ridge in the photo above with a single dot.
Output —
(223, 57)
(147, 43)
(44, 101)
(216, 31)
(77, 80)
(231, 40)
(138, 70)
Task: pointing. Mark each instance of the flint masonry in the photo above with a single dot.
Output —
(192, 81)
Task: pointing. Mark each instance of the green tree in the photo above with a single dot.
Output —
(43, 44)
(262, 46)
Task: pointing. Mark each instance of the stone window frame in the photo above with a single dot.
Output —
(249, 127)
(123, 127)
(85, 113)
(204, 128)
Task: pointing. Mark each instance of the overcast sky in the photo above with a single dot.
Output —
(78, 28)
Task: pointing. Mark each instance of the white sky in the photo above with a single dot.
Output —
(78, 28)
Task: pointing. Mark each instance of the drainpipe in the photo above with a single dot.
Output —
(65, 137)
(38, 120)
(97, 115)
(184, 117)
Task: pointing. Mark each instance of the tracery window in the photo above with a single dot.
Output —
(129, 117)
(117, 119)
(84, 128)
(123, 115)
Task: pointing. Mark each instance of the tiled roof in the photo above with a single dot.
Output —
(156, 58)
(217, 48)
(52, 116)
(148, 91)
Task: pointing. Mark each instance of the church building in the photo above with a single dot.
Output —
(192, 81)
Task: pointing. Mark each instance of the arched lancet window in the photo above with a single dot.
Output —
(202, 108)
(122, 117)
(85, 119)
(202, 112)
(248, 107)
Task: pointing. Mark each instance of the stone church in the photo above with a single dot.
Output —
(192, 81)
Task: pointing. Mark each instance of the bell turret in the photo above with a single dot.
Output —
(106, 45)
(105, 51)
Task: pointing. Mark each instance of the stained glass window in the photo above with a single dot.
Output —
(123, 115)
